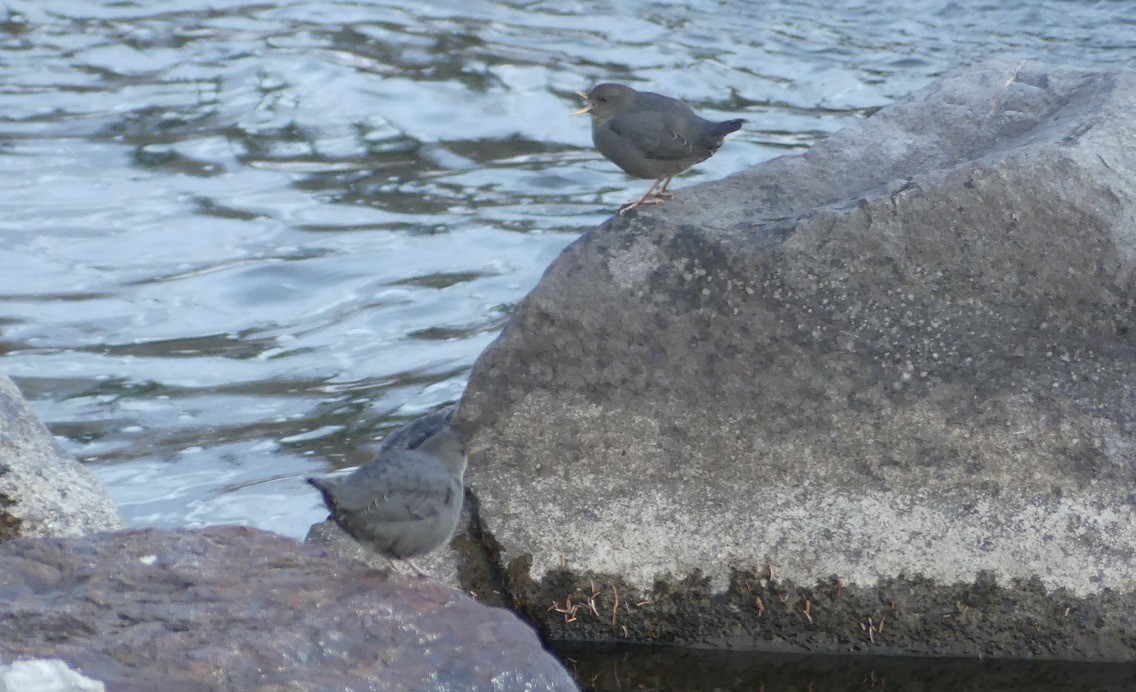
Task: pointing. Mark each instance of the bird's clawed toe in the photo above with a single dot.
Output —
(418, 570)
(653, 199)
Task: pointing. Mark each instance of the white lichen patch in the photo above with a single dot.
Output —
(631, 269)
(1078, 544)
(632, 506)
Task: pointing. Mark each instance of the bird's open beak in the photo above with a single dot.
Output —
(587, 106)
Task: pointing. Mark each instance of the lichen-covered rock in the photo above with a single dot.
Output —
(890, 380)
(237, 608)
(43, 492)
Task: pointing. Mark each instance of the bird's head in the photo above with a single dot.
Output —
(605, 101)
(448, 447)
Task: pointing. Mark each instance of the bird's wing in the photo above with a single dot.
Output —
(407, 487)
(652, 134)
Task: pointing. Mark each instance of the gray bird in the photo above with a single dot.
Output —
(649, 135)
(404, 502)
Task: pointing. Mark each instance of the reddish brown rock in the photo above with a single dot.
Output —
(237, 608)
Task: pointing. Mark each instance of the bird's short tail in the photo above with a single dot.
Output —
(324, 486)
(718, 131)
(724, 128)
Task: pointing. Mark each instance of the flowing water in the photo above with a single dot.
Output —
(243, 240)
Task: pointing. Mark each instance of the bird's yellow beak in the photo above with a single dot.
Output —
(587, 106)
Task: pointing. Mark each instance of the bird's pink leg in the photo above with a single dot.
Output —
(663, 194)
(647, 198)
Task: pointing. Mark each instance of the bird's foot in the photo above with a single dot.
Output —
(624, 208)
(416, 568)
(664, 195)
(396, 567)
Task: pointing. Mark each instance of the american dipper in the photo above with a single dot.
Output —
(650, 135)
(404, 502)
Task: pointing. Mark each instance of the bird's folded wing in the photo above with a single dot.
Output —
(397, 493)
(409, 505)
(649, 131)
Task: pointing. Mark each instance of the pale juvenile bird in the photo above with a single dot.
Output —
(404, 502)
(649, 135)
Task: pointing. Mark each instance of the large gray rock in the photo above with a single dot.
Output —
(237, 608)
(43, 492)
(891, 380)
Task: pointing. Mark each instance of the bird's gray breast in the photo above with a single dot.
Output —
(620, 150)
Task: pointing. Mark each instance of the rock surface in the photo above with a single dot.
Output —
(892, 379)
(43, 492)
(238, 608)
